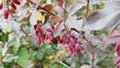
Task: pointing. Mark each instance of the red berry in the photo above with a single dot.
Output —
(50, 37)
(5, 13)
(117, 48)
(60, 2)
(117, 62)
(59, 40)
(49, 29)
(41, 39)
(12, 5)
(78, 49)
(118, 43)
(1, 5)
(16, 2)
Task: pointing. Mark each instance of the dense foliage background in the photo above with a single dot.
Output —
(59, 33)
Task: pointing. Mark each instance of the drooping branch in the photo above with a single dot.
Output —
(40, 7)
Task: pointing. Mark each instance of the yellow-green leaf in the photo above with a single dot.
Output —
(39, 16)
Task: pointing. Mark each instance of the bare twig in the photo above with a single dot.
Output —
(75, 30)
(92, 53)
(93, 60)
(87, 8)
(21, 28)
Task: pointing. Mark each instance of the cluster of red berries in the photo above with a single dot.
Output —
(12, 3)
(73, 43)
(41, 34)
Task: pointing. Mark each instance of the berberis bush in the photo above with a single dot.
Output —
(59, 34)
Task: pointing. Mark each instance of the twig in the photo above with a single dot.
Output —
(75, 30)
(87, 8)
(21, 28)
(40, 7)
(93, 60)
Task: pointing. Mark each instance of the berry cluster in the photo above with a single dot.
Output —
(73, 43)
(42, 35)
(11, 3)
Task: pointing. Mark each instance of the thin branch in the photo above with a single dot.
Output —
(87, 8)
(40, 7)
(93, 59)
(75, 30)
(21, 28)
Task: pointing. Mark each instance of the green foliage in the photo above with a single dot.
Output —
(106, 63)
(23, 57)
(3, 36)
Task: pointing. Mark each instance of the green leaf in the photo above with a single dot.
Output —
(16, 45)
(32, 55)
(40, 55)
(23, 57)
(53, 65)
(101, 6)
(43, 46)
(62, 65)
(78, 64)
(8, 65)
(49, 51)
(4, 37)
(106, 63)
(1, 33)
(55, 41)
(1, 0)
